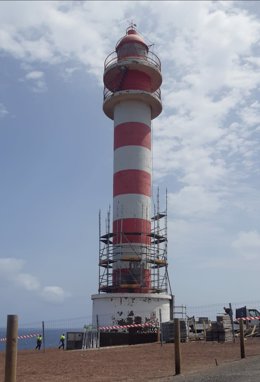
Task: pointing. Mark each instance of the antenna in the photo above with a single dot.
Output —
(132, 24)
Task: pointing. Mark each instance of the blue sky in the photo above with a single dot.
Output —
(56, 148)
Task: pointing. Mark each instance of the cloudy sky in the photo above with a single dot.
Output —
(56, 148)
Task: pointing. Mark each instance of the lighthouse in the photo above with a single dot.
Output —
(133, 276)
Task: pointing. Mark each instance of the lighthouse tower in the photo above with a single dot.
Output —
(133, 278)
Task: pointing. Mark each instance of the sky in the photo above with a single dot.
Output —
(56, 148)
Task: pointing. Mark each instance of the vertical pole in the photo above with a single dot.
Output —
(232, 321)
(99, 250)
(98, 332)
(11, 348)
(177, 346)
(204, 330)
(242, 339)
(171, 307)
(84, 341)
(43, 336)
(195, 328)
(160, 326)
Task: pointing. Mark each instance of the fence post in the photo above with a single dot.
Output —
(43, 336)
(242, 339)
(11, 348)
(177, 346)
(195, 328)
(98, 331)
(204, 330)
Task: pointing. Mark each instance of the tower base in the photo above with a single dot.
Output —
(122, 309)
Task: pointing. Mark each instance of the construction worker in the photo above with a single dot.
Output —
(228, 311)
(39, 342)
(62, 341)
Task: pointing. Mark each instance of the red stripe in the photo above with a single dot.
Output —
(124, 229)
(132, 133)
(134, 79)
(132, 225)
(132, 182)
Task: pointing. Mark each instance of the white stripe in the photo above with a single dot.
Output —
(131, 206)
(132, 111)
(130, 250)
(132, 158)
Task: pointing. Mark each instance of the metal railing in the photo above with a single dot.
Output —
(108, 93)
(149, 57)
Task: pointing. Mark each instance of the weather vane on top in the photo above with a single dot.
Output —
(132, 24)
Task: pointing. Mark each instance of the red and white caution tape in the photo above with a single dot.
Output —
(151, 324)
(25, 336)
(148, 324)
(248, 318)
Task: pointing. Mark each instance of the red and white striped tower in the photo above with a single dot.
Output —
(132, 79)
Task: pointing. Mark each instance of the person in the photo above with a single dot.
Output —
(39, 342)
(228, 311)
(62, 340)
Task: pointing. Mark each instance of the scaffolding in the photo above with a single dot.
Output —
(154, 255)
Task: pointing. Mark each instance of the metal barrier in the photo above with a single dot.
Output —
(149, 57)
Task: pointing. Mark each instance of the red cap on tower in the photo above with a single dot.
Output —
(132, 36)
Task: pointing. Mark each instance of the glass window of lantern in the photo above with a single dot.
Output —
(132, 50)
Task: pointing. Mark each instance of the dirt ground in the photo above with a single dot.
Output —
(148, 362)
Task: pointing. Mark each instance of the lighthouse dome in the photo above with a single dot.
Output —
(132, 44)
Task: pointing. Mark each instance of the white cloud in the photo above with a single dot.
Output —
(10, 266)
(67, 73)
(35, 75)
(207, 139)
(27, 281)
(11, 271)
(3, 111)
(55, 32)
(250, 114)
(37, 81)
(54, 294)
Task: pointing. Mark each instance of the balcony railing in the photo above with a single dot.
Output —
(108, 93)
(149, 57)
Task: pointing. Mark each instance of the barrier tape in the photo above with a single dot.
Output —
(152, 324)
(25, 336)
(248, 318)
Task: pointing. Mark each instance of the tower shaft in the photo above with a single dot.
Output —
(132, 197)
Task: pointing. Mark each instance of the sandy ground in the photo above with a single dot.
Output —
(146, 362)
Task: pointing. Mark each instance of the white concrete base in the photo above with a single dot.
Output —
(125, 308)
